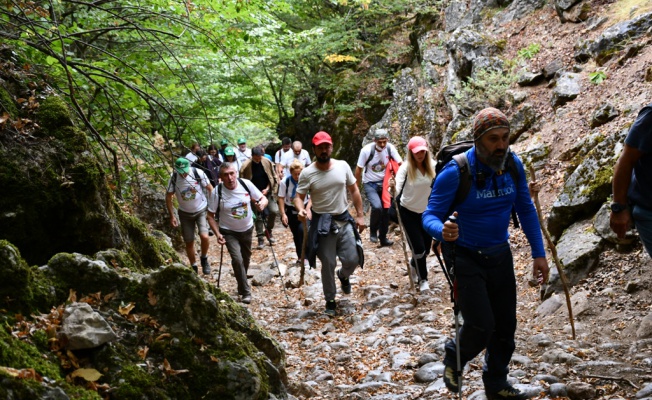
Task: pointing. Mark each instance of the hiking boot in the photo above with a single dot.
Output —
(261, 244)
(507, 393)
(373, 237)
(194, 268)
(450, 379)
(272, 239)
(331, 307)
(246, 299)
(423, 286)
(346, 284)
(385, 242)
(205, 266)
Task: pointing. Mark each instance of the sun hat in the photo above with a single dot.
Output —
(224, 142)
(488, 119)
(242, 140)
(182, 165)
(417, 144)
(321, 137)
(229, 151)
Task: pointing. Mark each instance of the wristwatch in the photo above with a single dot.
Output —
(618, 207)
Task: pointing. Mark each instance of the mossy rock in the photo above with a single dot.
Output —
(53, 113)
(7, 103)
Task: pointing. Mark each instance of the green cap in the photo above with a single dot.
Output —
(224, 142)
(182, 165)
(242, 140)
(229, 151)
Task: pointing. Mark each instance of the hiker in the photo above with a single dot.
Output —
(260, 171)
(187, 184)
(412, 184)
(212, 165)
(229, 156)
(332, 229)
(632, 182)
(297, 153)
(286, 143)
(192, 154)
(232, 202)
(223, 145)
(242, 153)
(373, 159)
(287, 191)
(477, 246)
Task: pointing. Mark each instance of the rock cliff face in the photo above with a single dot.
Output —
(146, 324)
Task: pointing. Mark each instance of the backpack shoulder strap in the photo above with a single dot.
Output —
(245, 186)
(196, 174)
(287, 186)
(219, 199)
(371, 155)
(465, 178)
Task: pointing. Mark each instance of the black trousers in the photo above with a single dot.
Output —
(419, 240)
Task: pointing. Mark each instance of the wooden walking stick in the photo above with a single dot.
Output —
(553, 250)
(303, 252)
(400, 223)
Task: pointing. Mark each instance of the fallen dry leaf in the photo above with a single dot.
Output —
(151, 297)
(125, 310)
(89, 374)
(72, 296)
(142, 352)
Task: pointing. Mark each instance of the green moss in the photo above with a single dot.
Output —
(15, 353)
(53, 113)
(600, 183)
(150, 251)
(138, 384)
(7, 104)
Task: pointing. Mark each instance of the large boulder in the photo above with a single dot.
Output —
(566, 89)
(578, 250)
(611, 41)
(588, 186)
(519, 9)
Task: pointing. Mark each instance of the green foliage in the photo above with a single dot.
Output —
(486, 88)
(597, 77)
(529, 51)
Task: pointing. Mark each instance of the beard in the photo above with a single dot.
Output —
(495, 160)
(323, 158)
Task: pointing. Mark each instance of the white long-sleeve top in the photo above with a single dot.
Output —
(416, 193)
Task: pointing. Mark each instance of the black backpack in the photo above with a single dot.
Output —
(457, 152)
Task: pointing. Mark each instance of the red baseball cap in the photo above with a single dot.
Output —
(417, 144)
(321, 137)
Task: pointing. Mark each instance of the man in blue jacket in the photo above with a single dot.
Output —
(484, 269)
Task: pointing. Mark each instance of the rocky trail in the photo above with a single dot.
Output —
(387, 341)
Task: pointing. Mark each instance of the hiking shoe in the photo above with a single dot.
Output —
(423, 286)
(385, 242)
(450, 379)
(374, 238)
(205, 266)
(194, 268)
(246, 299)
(331, 307)
(272, 239)
(261, 244)
(507, 393)
(346, 284)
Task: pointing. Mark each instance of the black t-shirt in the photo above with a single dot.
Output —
(258, 176)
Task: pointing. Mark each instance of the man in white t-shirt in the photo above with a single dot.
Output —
(332, 230)
(242, 153)
(192, 155)
(297, 153)
(231, 202)
(373, 160)
(188, 185)
(286, 143)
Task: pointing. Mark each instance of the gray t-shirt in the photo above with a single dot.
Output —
(327, 189)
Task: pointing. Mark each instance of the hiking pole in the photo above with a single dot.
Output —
(405, 254)
(271, 245)
(303, 252)
(219, 272)
(456, 311)
(553, 250)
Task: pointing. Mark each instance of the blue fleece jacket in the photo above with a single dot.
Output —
(483, 217)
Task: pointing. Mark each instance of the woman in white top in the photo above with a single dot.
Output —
(287, 191)
(412, 183)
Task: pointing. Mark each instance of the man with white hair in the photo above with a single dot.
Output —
(373, 160)
(296, 153)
